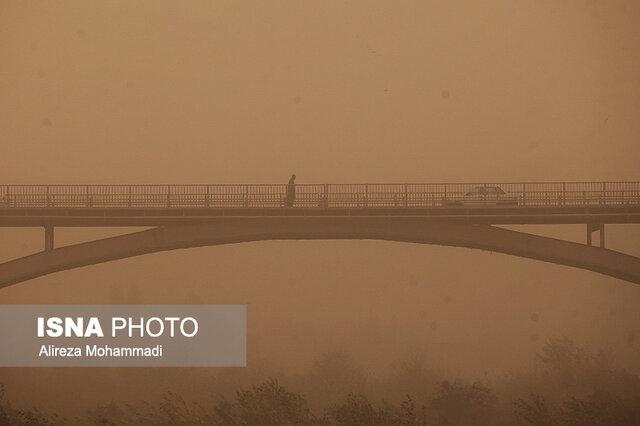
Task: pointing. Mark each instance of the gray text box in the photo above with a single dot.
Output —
(219, 342)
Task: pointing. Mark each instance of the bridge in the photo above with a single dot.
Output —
(454, 214)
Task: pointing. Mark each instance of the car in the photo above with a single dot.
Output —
(484, 196)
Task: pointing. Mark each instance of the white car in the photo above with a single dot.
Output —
(485, 196)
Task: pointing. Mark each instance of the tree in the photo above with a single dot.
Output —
(533, 411)
(460, 404)
(266, 404)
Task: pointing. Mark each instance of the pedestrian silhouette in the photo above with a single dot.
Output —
(291, 191)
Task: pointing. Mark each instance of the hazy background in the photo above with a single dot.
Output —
(348, 91)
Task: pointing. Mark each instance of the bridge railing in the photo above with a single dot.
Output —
(417, 195)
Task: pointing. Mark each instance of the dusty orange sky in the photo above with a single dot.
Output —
(335, 91)
(359, 91)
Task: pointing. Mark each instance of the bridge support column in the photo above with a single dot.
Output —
(48, 237)
(593, 227)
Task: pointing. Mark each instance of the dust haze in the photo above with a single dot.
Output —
(338, 92)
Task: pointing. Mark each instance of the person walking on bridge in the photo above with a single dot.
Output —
(291, 191)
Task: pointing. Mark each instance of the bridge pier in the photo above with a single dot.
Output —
(593, 227)
(48, 237)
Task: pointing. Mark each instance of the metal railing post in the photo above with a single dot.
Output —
(366, 194)
(406, 195)
(326, 195)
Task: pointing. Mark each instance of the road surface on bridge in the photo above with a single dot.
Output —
(482, 203)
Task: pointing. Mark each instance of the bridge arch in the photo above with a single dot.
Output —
(400, 229)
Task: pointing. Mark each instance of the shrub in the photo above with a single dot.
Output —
(460, 404)
(265, 404)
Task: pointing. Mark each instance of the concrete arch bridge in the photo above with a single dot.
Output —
(461, 215)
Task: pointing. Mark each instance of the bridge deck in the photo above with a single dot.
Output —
(153, 205)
